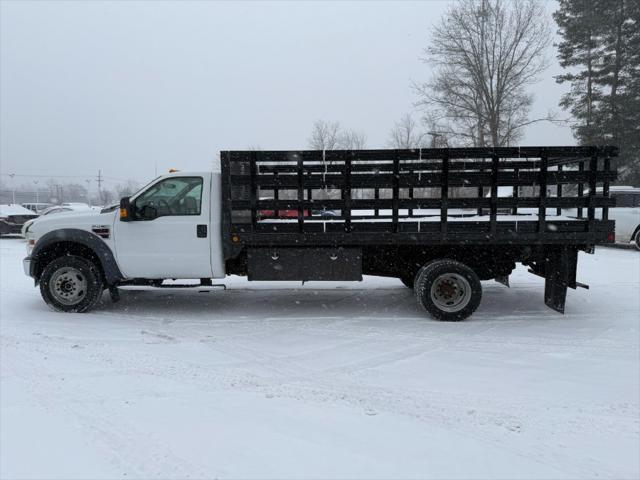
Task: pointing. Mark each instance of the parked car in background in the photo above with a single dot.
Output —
(324, 213)
(59, 209)
(75, 204)
(626, 213)
(280, 213)
(13, 217)
(37, 207)
(53, 210)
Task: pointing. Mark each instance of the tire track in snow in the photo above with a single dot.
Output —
(456, 412)
(121, 438)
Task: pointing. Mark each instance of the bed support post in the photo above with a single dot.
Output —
(560, 265)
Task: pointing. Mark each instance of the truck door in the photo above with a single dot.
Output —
(169, 235)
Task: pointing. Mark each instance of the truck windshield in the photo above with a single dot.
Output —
(142, 189)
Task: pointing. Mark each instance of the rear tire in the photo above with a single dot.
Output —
(448, 290)
(71, 284)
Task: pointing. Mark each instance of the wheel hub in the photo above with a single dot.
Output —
(450, 292)
(447, 289)
(68, 286)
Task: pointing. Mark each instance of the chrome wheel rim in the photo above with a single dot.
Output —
(450, 292)
(68, 286)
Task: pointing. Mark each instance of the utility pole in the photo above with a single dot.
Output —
(35, 182)
(13, 187)
(88, 195)
(99, 179)
(57, 189)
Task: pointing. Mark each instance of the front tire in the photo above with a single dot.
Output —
(637, 239)
(448, 290)
(71, 284)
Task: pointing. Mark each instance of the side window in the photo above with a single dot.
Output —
(173, 197)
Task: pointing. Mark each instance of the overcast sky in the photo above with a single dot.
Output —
(126, 86)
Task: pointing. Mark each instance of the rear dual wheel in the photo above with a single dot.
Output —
(448, 290)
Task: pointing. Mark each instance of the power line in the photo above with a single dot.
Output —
(116, 179)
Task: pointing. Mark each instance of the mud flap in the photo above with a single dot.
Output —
(555, 295)
(559, 272)
(114, 293)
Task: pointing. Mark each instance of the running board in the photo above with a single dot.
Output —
(187, 288)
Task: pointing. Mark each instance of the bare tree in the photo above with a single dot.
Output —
(325, 135)
(127, 189)
(74, 192)
(406, 134)
(352, 140)
(486, 53)
(106, 196)
(330, 136)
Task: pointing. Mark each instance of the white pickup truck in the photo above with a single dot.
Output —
(259, 218)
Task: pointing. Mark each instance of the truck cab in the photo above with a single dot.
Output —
(170, 229)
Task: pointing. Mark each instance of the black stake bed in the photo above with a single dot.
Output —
(456, 196)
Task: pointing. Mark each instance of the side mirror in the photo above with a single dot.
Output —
(148, 212)
(125, 210)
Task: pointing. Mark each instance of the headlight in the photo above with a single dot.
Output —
(30, 244)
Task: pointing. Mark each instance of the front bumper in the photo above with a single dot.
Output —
(27, 264)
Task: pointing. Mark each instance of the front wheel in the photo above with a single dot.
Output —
(637, 239)
(71, 284)
(448, 290)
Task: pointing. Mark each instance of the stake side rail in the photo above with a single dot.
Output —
(511, 195)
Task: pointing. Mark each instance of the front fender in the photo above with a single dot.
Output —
(82, 238)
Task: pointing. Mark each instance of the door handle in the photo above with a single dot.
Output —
(201, 231)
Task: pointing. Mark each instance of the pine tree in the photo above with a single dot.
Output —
(600, 48)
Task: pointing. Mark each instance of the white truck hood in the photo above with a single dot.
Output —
(83, 220)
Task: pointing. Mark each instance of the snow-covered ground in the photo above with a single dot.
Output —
(326, 380)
